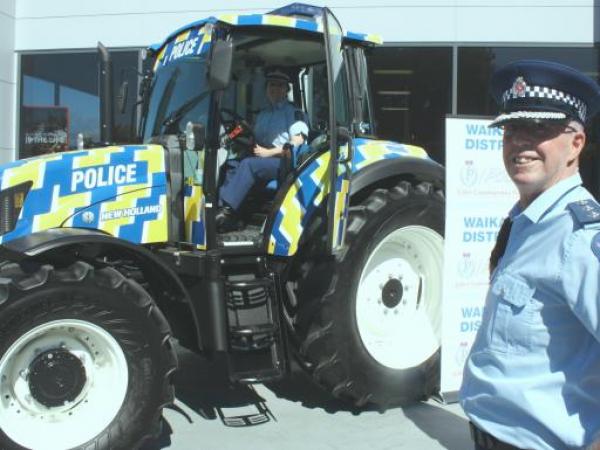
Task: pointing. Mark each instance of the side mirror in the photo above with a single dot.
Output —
(195, 136)
(122, 96)
(219, 72)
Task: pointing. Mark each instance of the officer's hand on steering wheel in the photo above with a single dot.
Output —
(236, 129)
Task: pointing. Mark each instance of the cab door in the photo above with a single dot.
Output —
(339, 170)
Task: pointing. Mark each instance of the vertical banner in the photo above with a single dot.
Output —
(479, 195)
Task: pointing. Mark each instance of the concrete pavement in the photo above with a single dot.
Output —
(300, 418)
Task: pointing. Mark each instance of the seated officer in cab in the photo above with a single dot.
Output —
(271, 133)
(532, 379)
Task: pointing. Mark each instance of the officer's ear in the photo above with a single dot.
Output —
(578, 140)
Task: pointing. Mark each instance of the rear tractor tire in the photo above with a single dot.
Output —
(85, 360)
(369, 321)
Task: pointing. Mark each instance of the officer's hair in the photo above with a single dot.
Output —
(577, 125)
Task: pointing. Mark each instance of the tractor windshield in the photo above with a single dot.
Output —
(179, 94)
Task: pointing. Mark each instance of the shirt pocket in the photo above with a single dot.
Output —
(512, 314)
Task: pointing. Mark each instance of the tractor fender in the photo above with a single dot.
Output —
(50, 243)
(419, 168)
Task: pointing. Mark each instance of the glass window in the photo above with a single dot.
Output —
(360, 78)
(338, 74)
(476, 65)
(412, 90)
(179, 95)
(59, 100)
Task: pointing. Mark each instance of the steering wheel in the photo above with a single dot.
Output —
(236, 128)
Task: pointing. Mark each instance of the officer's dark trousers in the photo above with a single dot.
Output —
(241, 175)
(485, 441)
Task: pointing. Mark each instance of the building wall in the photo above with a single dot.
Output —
(8, 79)
(64, 24)
(47, 26)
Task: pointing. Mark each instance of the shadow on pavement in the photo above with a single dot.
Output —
(443, 426)
(203, 386)
(299, 387)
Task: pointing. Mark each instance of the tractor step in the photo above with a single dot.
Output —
(256, 349)
(260, 415)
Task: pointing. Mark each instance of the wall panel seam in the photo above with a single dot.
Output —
(2, 13)
(262, 8)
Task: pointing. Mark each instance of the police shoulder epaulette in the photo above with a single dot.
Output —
(585, 211)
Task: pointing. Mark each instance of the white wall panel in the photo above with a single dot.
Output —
(565, 23)
(7, 48)
(401, 24)
(76, 24)
(8, 7)
(43, 8)
(7, 113)
(7, 80)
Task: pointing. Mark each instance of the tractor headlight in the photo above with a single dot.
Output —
(11, 202)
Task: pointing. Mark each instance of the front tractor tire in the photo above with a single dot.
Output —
(372, 335)
(85, 359)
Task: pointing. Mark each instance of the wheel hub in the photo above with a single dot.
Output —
(392, 292)
(403, 273)
(56, 377)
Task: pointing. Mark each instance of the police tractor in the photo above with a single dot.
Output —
(107, 254)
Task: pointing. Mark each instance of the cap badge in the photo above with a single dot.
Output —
(519, 87)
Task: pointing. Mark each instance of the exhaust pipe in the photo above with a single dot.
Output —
(106, 95)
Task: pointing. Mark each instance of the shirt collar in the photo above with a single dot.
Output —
(278, 105)
(546, 200)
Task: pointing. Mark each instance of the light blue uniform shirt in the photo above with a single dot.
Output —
(273, 124)
(532, 378)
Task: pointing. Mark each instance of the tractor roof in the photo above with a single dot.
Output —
(296, 16)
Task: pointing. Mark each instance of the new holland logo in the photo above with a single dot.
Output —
(130, 212)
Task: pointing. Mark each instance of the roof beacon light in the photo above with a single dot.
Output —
(298, 10)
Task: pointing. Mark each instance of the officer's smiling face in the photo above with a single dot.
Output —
(537, 155)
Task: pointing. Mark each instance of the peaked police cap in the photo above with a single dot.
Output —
(543, 90)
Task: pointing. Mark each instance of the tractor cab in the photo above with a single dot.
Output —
(208, 85)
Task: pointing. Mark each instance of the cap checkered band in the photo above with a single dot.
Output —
(522, 90)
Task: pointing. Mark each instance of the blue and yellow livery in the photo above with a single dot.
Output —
(121, 191)
(262, 20)
(311, 187)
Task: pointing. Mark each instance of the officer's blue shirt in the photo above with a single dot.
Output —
(273, 124)
(532, 378)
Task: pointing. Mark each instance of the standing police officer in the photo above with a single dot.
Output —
(532, 379)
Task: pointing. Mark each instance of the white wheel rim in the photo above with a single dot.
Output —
(34, 425)
(407, 331)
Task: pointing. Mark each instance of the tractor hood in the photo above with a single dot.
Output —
(119, 190)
